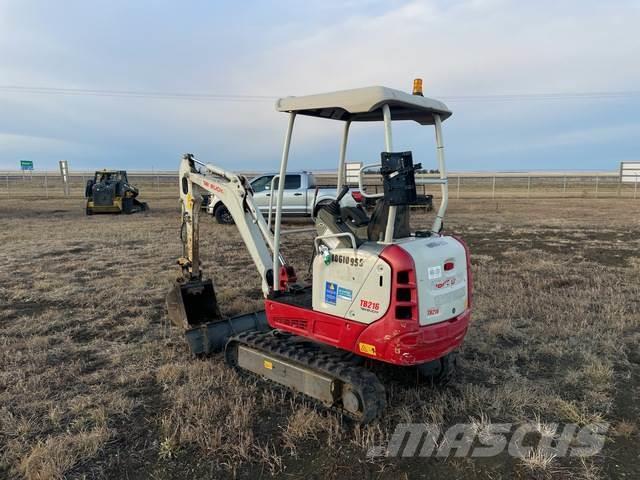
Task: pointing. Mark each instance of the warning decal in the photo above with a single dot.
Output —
(345, 293)
(435, 272)
(330, 293)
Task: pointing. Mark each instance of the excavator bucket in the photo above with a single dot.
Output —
(192, 304)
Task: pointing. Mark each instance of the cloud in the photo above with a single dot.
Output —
(580, 137)
(16, 145)
(464, 47)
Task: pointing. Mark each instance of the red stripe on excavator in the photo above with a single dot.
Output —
(319, 326)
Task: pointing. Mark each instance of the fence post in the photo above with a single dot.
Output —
(619, 186)
(493, 188)
(597, 182)
(458, 191)
(157, 183)
(46, 186)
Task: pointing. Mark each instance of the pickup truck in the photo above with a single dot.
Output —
(300, 198)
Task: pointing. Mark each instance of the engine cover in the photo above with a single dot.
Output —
(357, 285)
(441, 276)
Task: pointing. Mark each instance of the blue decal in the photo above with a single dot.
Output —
(345, 293)
(330, 292)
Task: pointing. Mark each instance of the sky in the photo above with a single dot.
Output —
(490, 60)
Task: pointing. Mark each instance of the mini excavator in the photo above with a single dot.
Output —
(380, 292)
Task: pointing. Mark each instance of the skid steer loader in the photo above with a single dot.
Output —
(110, 192)
(380, 291)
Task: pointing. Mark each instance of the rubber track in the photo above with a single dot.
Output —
(295, 350)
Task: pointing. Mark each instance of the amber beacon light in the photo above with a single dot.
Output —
(417, 86)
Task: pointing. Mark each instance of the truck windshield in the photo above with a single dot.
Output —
(261, 183)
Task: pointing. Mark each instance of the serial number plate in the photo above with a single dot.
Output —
(346, 259)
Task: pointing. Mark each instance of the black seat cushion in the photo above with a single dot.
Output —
(378, 221)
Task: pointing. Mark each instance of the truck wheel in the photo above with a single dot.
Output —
(441, 370)
(223, 216)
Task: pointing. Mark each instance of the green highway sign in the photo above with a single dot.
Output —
(26, 164)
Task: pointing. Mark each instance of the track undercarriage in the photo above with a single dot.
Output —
(332, 379)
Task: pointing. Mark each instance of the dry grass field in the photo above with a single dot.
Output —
(95, 384)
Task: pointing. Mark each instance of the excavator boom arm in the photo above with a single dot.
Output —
(235, 193)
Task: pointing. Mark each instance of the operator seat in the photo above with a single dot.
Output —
(378, 223)
(329, 221)
(356, 219)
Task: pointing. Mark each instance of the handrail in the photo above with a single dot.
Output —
(361, 187)
(298, 230)
(336, 235)
(431, 181)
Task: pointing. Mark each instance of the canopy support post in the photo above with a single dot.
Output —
(388, 145)
(282, 175)
(444, 186)
(343, 156)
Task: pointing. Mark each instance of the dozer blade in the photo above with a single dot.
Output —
(192, 303)
(213, 336)
(140, 206)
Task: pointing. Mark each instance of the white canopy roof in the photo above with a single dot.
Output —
(365, 105)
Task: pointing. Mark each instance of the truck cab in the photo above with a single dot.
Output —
(298, 192)
(301, 197)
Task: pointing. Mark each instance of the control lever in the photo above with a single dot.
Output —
(334, 206)
(343, 192)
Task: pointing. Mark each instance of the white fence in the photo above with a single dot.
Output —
(480, 185)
